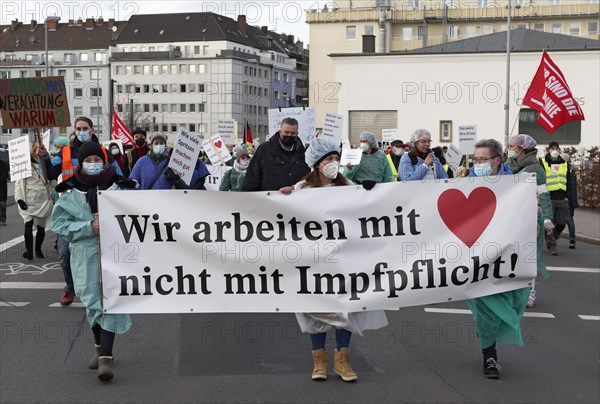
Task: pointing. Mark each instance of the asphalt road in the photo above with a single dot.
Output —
(424, 355)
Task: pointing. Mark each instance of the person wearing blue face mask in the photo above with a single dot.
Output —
(62, 167)
(75, 217)
(151, 171)
(487, 159)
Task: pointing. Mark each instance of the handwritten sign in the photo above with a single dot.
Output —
(185, 154)
(351, 156)
(216, 150)
(389, 135)
(304, 116)
(226, 128)
(332, 127)
(453, 157)
(19, 159)
(467, 137)
(46, 139)
(37, 102)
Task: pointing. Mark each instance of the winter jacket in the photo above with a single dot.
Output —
(233, 179)
(273, 168)
(4, 170)
(572, 190)
(39, 204)
(131, 156)
(412, 168)
(148, 167)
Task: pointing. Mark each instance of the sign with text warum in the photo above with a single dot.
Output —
(400, 244)
(37, 102)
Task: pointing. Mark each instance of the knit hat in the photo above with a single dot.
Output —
(553, 144)
(397, 143)
(239, 152)
(319, 149)
(140, 131)
(90, 149)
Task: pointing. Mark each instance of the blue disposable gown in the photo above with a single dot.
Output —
(72, 219)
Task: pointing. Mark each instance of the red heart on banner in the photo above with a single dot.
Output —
(218, 144)
(468, 217)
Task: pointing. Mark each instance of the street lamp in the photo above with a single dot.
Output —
(507, 102)
(48, 19)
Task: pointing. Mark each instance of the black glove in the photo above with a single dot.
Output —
(22, 204)
(171, 175)
(127, 183)
(368, 184)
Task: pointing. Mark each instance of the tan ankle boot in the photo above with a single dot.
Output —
(105, 372)
(94, 361)
(320, 359)
(341, 365)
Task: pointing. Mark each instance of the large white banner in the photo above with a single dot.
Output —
(340, 249)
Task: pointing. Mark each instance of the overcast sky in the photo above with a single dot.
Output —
(279, 16)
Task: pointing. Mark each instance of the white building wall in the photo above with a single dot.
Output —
(465, 89)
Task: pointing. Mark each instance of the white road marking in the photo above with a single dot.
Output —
(463, 311)
(575, 269)
(13, 304)
(32, 285)
(11, 243)
(593, 318)
(70, 305)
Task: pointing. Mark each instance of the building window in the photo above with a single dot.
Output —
(453, 31)
(61, 72)
(164, 88)
(202, 68)
(69, 58)
(29, 57)
(487, 29)
(118, 70)
(182, 107)
(78, 111)
(146, 107)
(569, 133)
(96, 74)
(78, 92)
(192, 107)
(557, 27)
(38, 73)
(119, 88)
(521, 26)
(98, 57)
(200, 88)
(574, 28)
(592, 27)
(192, 127)
(165, 127)
(192, 87)
(182, 69)
(368, 30)
(173, 127)
(164, 108)
(182, 88)
(173, 108)
(422, 31)
(164, 69)
(155, 88)
(469, 31)
(83, 57)
(276, 76)
(173, 69)
(173, 88)
(286, 78)
(155, 70)
(95, 92)
(146, 88)
(137, 69)
(202, 107)
(197, 49)
(482, 3)
(277, 96)
(146, 70)
(192, 69)
(538, 26)
(351, 32)
(95, 111)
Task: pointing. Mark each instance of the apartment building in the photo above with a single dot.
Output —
(78, 50)
(193, 69)
(381, 26)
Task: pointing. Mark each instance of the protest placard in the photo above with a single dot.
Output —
(185, 155)
(453, 157)
(467, 138)
(332, 127)
(36, 102)
(226, 128)
(216, 173)
(415, 245)
(46, 139)
(19, 158)
(352, 156)
(304, 116)
(216, 150)
(389, 135)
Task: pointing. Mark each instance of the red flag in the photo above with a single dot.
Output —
(248, 135)
(120, 131)
(550, 95)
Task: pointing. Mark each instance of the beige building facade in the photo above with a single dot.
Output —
(382, 26)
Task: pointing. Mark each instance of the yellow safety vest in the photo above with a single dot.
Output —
(446, 167)
(394, 170)
(556, 176)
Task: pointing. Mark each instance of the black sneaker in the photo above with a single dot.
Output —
(572, 245)
(491, 369)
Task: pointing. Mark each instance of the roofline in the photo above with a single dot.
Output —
(409, 53)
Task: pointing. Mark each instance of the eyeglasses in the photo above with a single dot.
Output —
(482, 159)
(424, 141)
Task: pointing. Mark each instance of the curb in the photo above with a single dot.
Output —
(582, 238)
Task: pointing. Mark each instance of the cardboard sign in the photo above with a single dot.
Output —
(467, 137)
(332, 127)
(453, 157)
(19, 158)
(46, 139)
(352, 156)
(185, 154)
(226, 128)
(216, 150)
(389, 135)
(304, 116)
(37, 102)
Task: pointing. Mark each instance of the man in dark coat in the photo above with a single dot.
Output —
(4, 169)
(279, 162)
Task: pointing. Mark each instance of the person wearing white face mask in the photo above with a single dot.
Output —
(151, 171)
(522, 158)
(374, 167)
(323, 157)
(234, 179)
(557, 175)
(75, 217)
